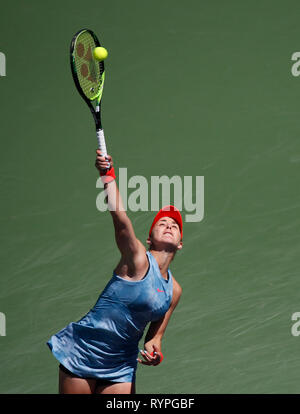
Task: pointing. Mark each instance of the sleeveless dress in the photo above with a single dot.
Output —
(104, 343)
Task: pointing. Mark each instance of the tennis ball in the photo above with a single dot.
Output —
(100, 53)
(161, 356)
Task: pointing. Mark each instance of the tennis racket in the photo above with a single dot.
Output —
(89, 76)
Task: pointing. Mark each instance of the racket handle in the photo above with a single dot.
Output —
(101, 142)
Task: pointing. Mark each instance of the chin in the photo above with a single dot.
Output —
(164, 245)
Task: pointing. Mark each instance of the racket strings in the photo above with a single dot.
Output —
(88, 70)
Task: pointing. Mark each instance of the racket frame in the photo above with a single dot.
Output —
(96, 112)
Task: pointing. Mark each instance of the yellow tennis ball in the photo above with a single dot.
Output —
(100, 53)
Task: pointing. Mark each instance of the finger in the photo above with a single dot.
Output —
(107, 156)
(141, 361)
(103, 160)
(102, 163)
(100, 158)
(144, 361)
(157, 360)
(156, 350)
(155, 347)
(143, 354)
(156, 355)
(146, 355)
(109, 161)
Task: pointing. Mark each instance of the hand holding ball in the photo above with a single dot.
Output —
(100, 53)
(149, 361)
(160, 354)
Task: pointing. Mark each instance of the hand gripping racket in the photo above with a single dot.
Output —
(89, 75)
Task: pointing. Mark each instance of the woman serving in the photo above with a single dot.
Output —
(98, 354)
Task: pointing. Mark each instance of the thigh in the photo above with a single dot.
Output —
(69, 384)
(116, 388)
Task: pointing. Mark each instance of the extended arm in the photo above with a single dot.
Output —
(132, 250)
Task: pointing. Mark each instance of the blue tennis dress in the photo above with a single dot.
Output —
(104, 343)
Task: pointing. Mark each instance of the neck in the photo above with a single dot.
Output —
(163, 259)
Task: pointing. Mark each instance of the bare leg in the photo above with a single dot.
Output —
(73, 385)
(116, 388)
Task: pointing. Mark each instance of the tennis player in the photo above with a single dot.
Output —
(99, 353)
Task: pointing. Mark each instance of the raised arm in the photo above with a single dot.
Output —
(132, 250)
